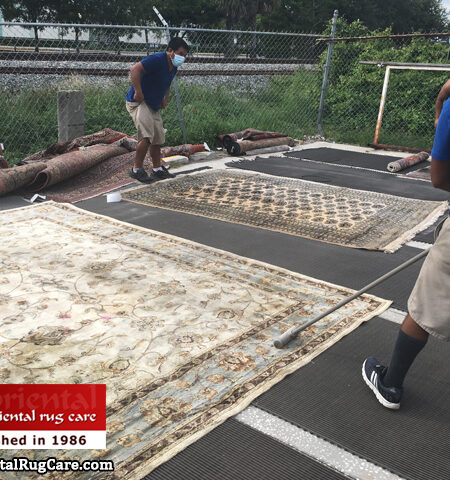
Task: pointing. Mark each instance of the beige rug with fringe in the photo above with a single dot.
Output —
(338, 215)
(182, 334)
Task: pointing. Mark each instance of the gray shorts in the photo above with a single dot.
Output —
(148, 122)
(429, 303)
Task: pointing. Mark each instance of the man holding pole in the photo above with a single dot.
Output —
(429, 303)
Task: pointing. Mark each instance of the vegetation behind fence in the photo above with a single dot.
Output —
(278, 87)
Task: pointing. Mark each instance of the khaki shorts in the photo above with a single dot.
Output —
(429, 303)
(148, 122)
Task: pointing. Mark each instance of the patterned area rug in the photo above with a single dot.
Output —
(180, 333)
(103, 177)
(343, 216)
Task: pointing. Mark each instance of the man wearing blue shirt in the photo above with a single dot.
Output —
(429, 303)
(149, 92)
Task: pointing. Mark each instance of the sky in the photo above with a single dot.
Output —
(446, 4)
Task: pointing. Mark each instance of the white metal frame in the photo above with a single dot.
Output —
(386, 83)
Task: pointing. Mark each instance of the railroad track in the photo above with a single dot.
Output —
(115, 72)
(52, 56)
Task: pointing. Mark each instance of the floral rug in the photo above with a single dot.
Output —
(182, 334)
(343, 216)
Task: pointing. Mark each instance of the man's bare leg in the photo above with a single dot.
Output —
(141, 152)
(155, 152)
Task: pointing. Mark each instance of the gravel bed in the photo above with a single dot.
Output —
(239, 83)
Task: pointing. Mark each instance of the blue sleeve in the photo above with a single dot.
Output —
(441, 146)
(152, 63)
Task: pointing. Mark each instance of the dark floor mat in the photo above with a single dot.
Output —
(236, 451)
(354, 159)
(12, 201)
(348, 267)
(343, 177)
(427, 235)
(329, 398)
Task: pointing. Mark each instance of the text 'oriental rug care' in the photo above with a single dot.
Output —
(339, 215)
(180, 333)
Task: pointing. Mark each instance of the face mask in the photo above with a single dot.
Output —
(177, 60)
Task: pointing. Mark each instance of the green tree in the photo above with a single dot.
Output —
(194, 13)
(29, 11)
(244, 13)
(403, 16)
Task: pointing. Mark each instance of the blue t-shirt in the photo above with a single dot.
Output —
(441, 146)
(155, 81)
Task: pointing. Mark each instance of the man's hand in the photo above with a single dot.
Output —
(164, 103)
(138, 97)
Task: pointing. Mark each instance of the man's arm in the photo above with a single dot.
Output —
(441, 98)
(166, 99)
(440, 174)
(135, 76)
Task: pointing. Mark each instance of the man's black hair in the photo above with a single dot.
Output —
(176, 43)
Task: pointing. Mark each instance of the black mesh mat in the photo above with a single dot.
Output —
(354, 159)
(236, 451)
(343, 177)
(329, 398)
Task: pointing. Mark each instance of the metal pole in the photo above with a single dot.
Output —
(382, 103)
(175, 84)
(294, 331)
(325, 74)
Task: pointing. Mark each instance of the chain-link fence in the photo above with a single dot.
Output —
(409, 69)
(231, 80)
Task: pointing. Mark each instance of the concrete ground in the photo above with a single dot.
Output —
(344, 266)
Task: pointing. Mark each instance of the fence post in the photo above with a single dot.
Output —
(325, 73)
(70, 115)
(175, 84)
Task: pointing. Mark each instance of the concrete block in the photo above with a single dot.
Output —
(70, 115)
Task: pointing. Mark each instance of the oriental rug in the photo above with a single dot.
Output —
(108, 175)
(182, 334)
(338, 215)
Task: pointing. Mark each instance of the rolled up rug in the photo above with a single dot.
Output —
(263, 136)
(105, 136)
(226, 139)
(238, 148)
(403, 163)
(16, 177)
(69, 164)
(185, 150)
(261, 151)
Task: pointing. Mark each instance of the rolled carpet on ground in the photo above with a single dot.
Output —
(403, 163)
(238, 148)
(227, 138)
(102, 137)
(69, 164)
(16, 177)
(186, 149)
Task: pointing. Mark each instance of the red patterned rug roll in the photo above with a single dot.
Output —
(105, 136)
(238, 148)
(16, 177)
(69, 164)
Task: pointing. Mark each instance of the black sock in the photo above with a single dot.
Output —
(405, 351)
